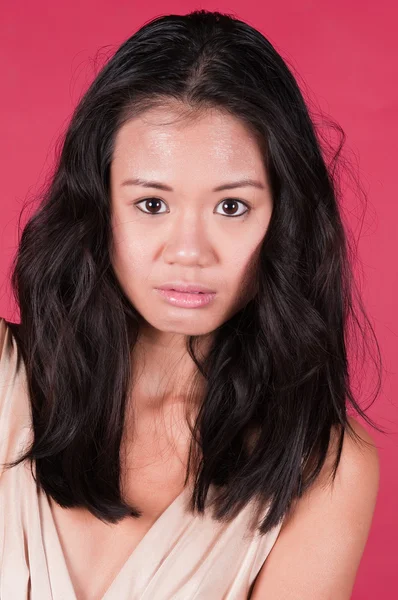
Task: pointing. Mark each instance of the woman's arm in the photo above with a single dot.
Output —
(320, 545)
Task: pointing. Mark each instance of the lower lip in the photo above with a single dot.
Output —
(185, 299)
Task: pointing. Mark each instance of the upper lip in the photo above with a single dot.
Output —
(180, 286)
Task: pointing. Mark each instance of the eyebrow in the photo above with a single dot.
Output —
(219, 188)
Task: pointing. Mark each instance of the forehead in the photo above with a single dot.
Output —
(161, 138)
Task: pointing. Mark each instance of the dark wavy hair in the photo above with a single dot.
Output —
(277, 371)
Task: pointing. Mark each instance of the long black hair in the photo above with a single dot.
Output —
(277, 371)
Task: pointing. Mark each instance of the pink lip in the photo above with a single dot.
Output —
(186, 299)
(180, 286)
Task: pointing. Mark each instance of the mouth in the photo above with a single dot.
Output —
(190, 288)
(186, 299)
(183, 291)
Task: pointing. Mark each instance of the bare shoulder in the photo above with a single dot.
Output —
(359, 459)
(322, 539)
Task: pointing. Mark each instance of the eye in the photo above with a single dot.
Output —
(154, 203)
(150, 202)
(234, 202)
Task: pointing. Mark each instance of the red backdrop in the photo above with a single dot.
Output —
(345, 54)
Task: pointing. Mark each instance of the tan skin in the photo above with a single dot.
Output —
(321, 542)
(195, 240)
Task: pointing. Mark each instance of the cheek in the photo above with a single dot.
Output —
(132, 261)
(241, 258)
(122, 254)
(243, 272)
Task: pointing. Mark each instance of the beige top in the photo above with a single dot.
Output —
(182, 556)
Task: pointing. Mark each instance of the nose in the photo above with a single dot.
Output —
(188, 240)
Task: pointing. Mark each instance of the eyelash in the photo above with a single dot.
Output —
(222, 201)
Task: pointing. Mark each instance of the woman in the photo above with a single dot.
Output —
(181, 361)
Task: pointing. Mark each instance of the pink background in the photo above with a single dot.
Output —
(345, 54)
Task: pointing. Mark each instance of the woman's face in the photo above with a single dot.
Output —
(190, 232)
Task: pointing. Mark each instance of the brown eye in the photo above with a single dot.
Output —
(230, 205)
(152, 204)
